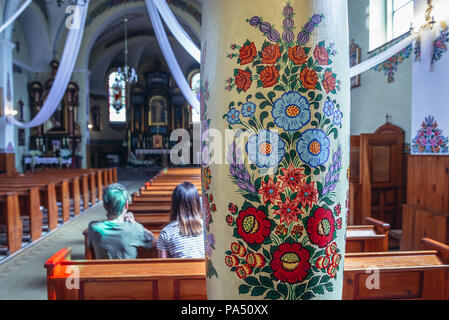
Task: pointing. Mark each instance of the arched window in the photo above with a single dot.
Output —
(117, 98)
(195, 84)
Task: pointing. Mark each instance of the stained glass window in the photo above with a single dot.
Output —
(117, 98)
(195, 84)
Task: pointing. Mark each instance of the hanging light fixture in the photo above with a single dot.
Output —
(128, 74)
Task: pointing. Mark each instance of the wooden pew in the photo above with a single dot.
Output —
(403, 275)
(10, 217)
(155, 279)
(368, 238)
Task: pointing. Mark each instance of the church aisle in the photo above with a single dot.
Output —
(23, 277)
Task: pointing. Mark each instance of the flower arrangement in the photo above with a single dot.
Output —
(430, 139)
(285, 227)
(65, 153)
(35, 153)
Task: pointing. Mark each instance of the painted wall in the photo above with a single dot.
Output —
(430, 94)
(376, 97)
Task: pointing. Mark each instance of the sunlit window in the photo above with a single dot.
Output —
(402, 16)
(195, 84)
(117, 98)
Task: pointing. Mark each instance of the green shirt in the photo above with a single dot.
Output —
(118, 240)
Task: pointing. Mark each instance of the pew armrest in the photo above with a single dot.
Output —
(55, 261)
(429, 244)
(381, 227)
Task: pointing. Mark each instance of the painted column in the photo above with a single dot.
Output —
(275, 212)
(6, 83)
(81, 77)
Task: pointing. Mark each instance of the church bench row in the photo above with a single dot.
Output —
(401, 275)
(10, 218)
(46, 189)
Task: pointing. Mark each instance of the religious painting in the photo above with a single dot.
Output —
(157, 141)
(355, 57)
(96, 118)
(58, 121)
(158, 111)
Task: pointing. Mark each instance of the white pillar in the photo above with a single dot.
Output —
(276, 222)
(81, 77)
(7, 96)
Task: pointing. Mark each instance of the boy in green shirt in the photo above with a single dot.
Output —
(119, 236)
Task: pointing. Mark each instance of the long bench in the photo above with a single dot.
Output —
(403, 275)
(10, 218)
(368, 238)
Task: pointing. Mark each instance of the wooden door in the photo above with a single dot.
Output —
(381, 176)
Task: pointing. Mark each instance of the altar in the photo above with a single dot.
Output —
(164, 155)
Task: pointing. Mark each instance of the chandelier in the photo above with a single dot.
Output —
(127, 73)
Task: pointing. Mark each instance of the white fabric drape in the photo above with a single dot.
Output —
(374, 61)
(176, 29)
(169, 56)
(15, 15)
(63, 75)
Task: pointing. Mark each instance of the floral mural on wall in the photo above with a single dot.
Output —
(285, 224)
(440, 46)
(429, 139)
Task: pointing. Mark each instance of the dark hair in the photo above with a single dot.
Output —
(186, 209)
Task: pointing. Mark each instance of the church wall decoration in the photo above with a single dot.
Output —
(391, 65)
(440, 46)
(430, 139)
(109, 4)
(285, 218)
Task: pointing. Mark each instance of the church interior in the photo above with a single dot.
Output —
(355, 206)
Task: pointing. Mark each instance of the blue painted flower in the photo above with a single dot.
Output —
(248, 109)
(233, 116)
(337, 117)
(265, 149)
(313, 147)
(329, 108)
(291, 112)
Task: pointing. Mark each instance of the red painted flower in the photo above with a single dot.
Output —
(321, 55)
(260, 260)
(339, 223)
(290, 263)
(297, 230)
(322, 262)
(237, 249)
(336, 258)
(321, 227)
(231, 261)
(329, 81)
(213, 207)
(232, 208)
(281, 230)
(332, 271)
(307, 194)
(270, 191)
(247, 53)
(331, 249)
(298, 55)
(243, 271)
(243, 80)
(211, 198)
(253, 225)
(269, 76)
(338, 209)
(230, 220)
(291, 177)
(251, 259)
(288, 211)
(309, 78)
(270, 54)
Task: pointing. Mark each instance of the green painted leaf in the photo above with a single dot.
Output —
(329, 286)
(307, 295)
(314, 281)
(328, 201)
(272, 295)
(316, 171)
(268, 256)
(260, 96)
(319, 97)
(279, 88)
(243, 289)
(252, 281)
(271, 95)
(318, 290)
(251, 197)
(262, 116)
(253, 167)
(325, 279)
(311, 95)
(258, 291)
(258, 183)
(267, 282)
(282, 288)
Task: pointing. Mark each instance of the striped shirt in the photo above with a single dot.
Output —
(178, 245)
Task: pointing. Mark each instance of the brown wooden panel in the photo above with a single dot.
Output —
(392, 285)
(118, 290)
(194, 289)
(381, 164)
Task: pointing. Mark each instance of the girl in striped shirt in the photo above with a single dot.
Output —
(183, 237)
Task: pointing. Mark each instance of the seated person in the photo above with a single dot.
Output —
(183, 237)
(119, 236)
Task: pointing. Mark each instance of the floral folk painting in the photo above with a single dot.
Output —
(287, 222)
